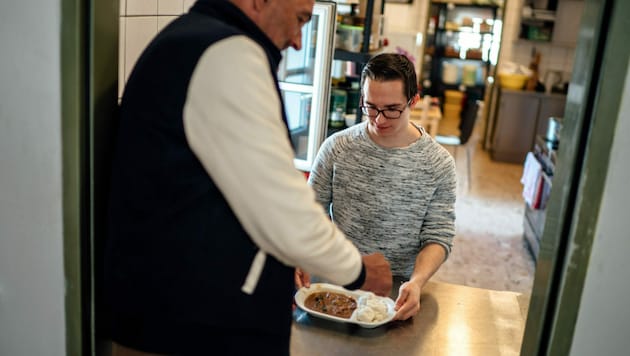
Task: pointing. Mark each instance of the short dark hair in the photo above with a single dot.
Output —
(392, 66)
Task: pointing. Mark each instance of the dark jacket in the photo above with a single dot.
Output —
(176, 252)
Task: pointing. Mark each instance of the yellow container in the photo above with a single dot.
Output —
(453, 97)
(512, 80)
(452, 111)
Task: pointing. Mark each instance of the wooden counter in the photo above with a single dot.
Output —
(453, 320)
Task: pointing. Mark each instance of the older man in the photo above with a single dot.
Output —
(208, 215)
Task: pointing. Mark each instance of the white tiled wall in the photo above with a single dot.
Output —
(142, 7)
(140, 21)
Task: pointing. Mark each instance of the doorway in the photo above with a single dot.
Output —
(102, 108)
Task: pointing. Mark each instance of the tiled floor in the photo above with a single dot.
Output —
(489, 251)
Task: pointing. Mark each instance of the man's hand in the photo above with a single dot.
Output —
(408, 302)
(302, 279)
(378, 274)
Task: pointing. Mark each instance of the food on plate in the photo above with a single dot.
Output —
(372, 310)
(331, 303)
(365, 314)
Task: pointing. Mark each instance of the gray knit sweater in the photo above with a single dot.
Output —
(388, 200)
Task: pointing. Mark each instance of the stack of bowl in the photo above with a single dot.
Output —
(514, 81)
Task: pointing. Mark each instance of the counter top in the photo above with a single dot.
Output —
(534, 93)
(453, 320)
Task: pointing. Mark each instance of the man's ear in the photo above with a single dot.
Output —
(414, 100)
(260, 4)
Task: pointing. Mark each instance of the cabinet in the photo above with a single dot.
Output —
(462, 44)
(520, 116)
(558, 26)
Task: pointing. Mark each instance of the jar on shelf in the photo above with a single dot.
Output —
(451, 51)
(450, 73)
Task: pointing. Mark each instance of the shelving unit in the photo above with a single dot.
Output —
(361, 57)
(555, 26)
(458, 35)
(537, 25)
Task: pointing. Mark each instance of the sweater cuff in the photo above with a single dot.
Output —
(357, 282)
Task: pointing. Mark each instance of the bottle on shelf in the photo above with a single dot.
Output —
(338, 103)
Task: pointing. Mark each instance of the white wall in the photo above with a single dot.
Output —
(405, 25)
(140, 21)
(32, 319)
(604, 314)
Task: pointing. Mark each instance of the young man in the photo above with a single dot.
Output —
(387, 184)
(208, 215)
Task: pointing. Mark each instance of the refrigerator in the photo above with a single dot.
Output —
(304, 79)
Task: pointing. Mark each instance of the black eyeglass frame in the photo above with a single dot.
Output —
(365, 109)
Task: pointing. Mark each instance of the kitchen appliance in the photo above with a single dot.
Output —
(304, 79)
(552, 78)
(553, 131)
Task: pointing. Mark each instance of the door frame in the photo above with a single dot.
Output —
(74, 172)
(89, 89)
(89, 69)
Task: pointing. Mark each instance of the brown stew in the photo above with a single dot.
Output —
(331, 303)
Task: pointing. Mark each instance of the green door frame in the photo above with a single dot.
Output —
(89, 72)
(75, 191)
(592, 109)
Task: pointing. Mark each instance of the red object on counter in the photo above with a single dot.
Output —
(306, 174)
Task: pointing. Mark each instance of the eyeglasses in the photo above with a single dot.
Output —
(389, 113)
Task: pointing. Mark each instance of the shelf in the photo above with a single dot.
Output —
(463, 59)
(539, 15)
(460, 31)
(475, 39)
(360, 57)
(552, 43)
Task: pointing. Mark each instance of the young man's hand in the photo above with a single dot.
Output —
(408, 302)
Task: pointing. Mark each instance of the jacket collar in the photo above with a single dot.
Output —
(229, 13)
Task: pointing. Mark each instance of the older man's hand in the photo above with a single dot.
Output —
(378, 274)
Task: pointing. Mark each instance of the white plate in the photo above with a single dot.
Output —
(359, 295)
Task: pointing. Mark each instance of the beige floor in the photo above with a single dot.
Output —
(489, 250)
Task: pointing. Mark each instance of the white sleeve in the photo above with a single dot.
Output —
(233, 123)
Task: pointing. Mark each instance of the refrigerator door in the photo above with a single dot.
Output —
(304, 77)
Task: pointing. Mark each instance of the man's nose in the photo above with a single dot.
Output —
(380, 117)
(296, 42)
